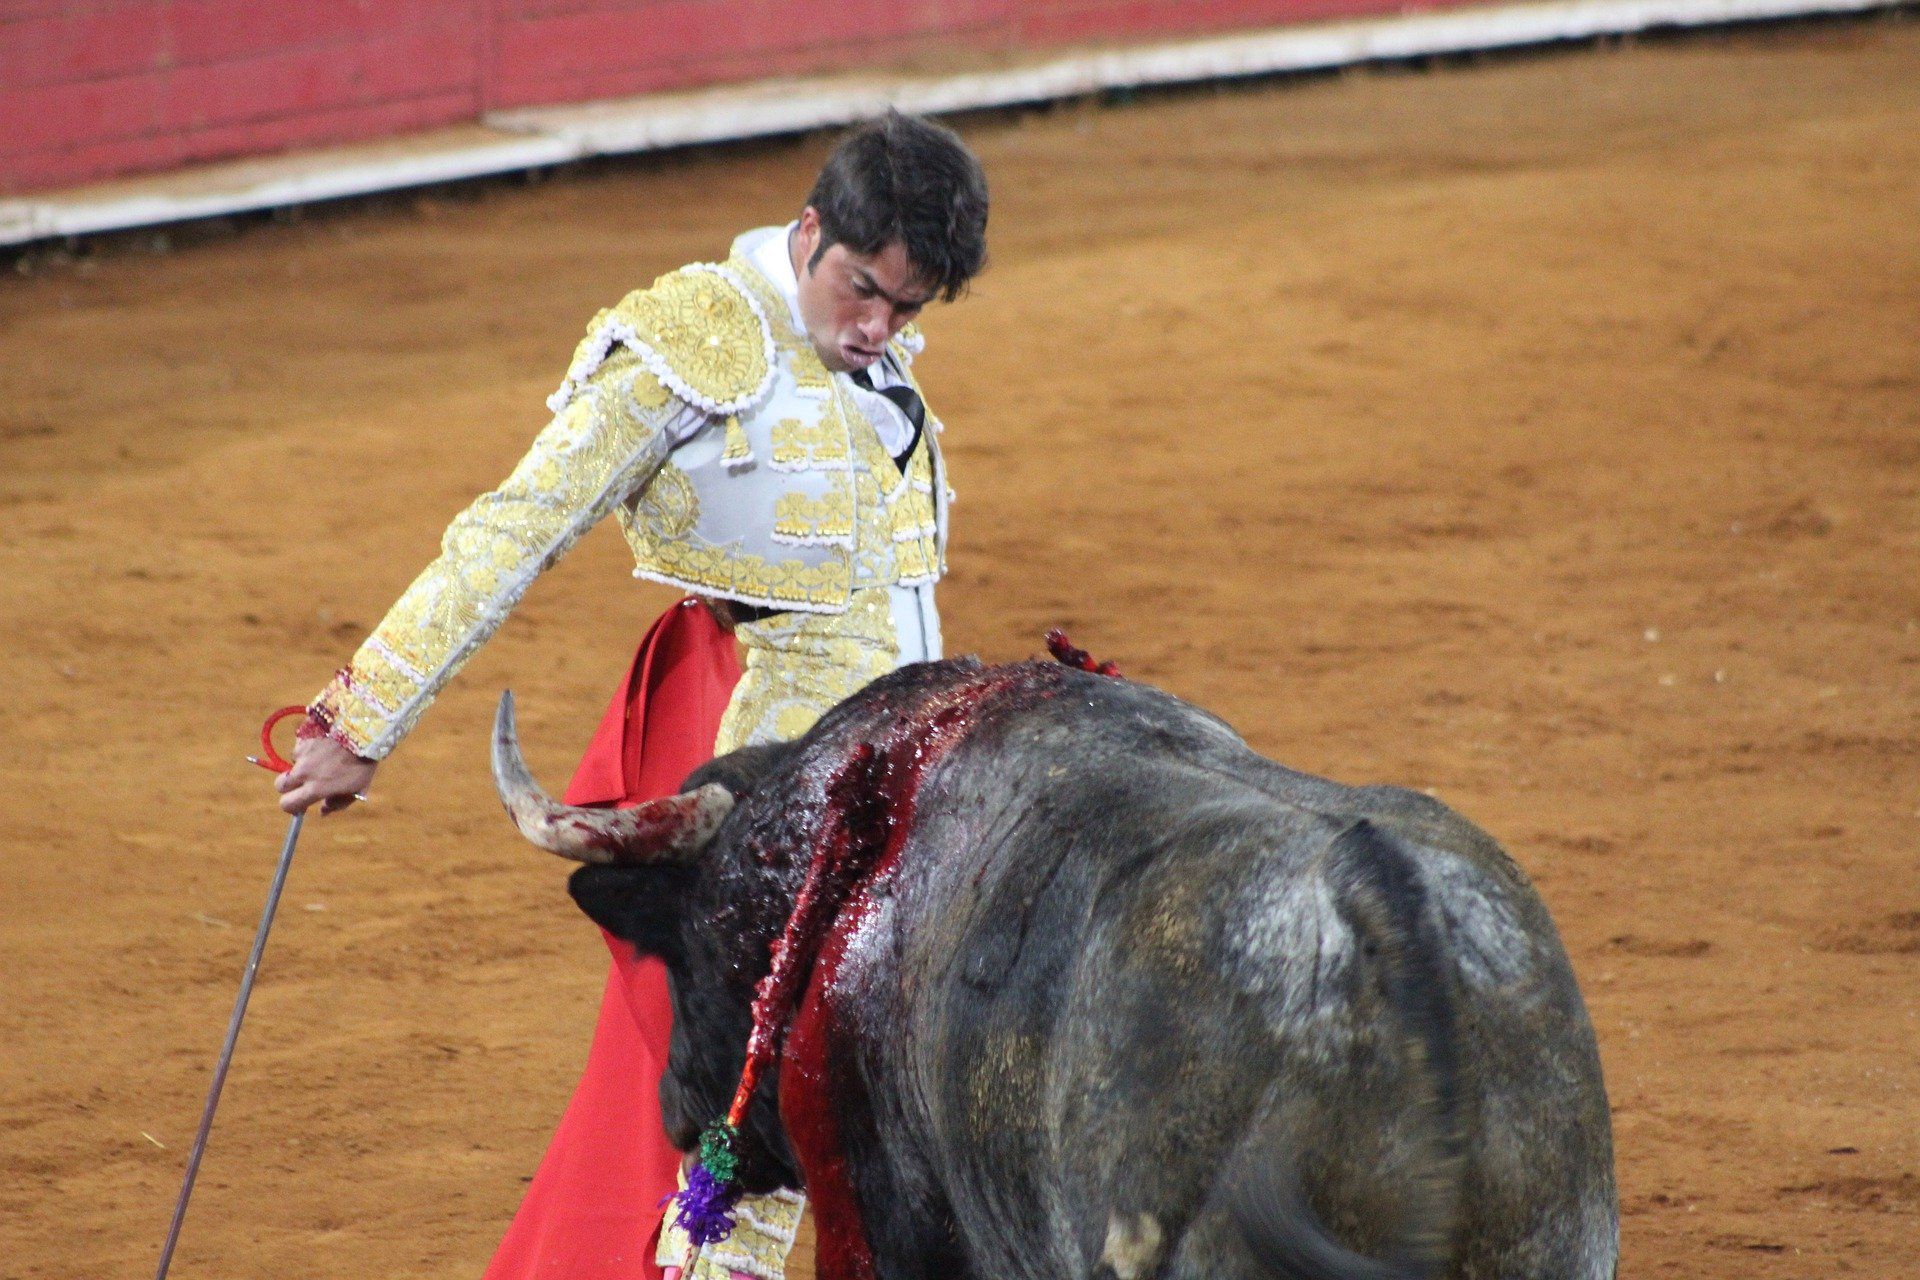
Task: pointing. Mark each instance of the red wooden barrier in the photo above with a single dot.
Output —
(92, 88)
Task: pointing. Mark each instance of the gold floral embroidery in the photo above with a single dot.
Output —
(820, 445)
(698, 330)
(800, 665)
(738, 452)
(898, 540)
(594, 453)
(914, 561)
(752, 568)
(920, 470)
(669, 508)
(710, 337)
(913, 512)
(645, 392)
(827, 519)
(741, 575)
(796, 349)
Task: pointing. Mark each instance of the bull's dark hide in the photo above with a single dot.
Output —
(1128, 999)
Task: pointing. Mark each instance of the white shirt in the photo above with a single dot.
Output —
(916, 622)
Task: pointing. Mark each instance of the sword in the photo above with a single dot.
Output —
(278, 764)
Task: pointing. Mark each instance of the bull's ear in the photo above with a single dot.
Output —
(741, 769)
(643, 904)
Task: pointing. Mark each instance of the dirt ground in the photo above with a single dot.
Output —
(1544, 432)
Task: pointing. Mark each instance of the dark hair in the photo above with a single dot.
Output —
(906, 179)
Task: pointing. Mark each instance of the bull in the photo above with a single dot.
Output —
(1111, 995)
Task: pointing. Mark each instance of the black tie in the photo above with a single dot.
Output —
(909, 403)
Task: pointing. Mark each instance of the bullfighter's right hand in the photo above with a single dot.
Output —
(323, 773)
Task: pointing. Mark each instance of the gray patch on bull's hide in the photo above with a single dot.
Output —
(1491, 946)
(1133, 1245)
(1293, 953)
(1598, 1234)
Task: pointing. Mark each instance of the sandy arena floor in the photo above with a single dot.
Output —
(1545, 433)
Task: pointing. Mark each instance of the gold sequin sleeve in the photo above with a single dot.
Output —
(605, 443)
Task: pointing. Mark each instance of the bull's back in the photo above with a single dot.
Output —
(1118, 935)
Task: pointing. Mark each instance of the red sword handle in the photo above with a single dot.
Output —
(268, 757)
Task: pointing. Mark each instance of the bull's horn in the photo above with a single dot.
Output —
(672, 829)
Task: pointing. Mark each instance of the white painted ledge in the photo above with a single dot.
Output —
(270, 182)
(511, 141)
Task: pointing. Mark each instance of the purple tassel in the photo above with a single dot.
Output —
(706, 1207)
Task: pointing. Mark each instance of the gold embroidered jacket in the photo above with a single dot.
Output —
(767, 510)
(737, 466)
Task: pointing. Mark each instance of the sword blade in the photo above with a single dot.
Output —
(226, 1049)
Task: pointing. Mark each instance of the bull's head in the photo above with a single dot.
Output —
(667, 877)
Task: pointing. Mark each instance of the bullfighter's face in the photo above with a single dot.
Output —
(853, 303)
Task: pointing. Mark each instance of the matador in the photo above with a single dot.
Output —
(756, 428)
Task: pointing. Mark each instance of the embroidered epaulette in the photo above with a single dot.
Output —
(699, 330)
(910, 342)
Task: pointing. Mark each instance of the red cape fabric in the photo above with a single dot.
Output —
(593, 1209)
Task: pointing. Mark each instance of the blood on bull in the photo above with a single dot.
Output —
(1077, 984)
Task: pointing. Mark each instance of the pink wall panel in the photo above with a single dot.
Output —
(617, 47)
(94, 88)
(91, 89)
(57, 48)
